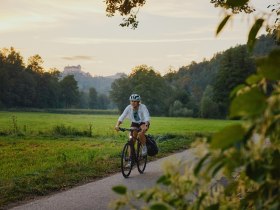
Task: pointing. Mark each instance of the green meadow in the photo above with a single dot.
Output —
(45, 152)
(33, 123)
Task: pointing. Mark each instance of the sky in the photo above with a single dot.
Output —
(171, 34)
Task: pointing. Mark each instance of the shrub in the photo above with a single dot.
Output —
(63, 130)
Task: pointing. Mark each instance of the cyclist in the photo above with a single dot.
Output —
(139, 117)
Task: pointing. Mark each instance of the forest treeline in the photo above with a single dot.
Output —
(197, 90)
(31, 86)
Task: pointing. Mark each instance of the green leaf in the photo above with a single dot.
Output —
(149, 196)
(201, 198)
(164, 180)
(269, 66)
(119, 189)
(217, 168)
(222, 24)
(236, 89)
(249, 197)
(173, 201)
(248, 104)
(231, 187)
(227, 137)
(213, 207)
(275, 171)
(200, 164)
(141, 194)
(253, 33)
(158, 206)
(214, 162)
(253, 79)
(236, 3)
(256, 171)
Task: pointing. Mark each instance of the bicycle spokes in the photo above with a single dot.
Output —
(126, 162)
(141, 159)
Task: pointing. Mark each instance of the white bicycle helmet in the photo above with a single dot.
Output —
(135, 97)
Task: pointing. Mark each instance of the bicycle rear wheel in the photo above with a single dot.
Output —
(141, 160)
(126, 162)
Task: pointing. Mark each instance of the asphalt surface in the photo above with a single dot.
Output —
(98, 195)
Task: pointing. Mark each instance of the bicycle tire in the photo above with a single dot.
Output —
(124, 161)
(141, 160)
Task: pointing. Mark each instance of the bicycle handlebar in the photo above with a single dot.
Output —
(129, 129)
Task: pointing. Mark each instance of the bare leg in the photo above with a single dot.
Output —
(141, 134)
(134, 136)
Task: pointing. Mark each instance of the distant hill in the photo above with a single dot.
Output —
(85, 81)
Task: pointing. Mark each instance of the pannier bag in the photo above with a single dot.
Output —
(152, 148)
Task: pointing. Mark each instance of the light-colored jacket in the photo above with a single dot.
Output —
(142, 112)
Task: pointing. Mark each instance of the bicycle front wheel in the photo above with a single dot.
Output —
(141, 159)
(126, 162)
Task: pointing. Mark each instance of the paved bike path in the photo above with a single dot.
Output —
(97, 195)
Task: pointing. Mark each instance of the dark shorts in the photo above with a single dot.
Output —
(137, 125)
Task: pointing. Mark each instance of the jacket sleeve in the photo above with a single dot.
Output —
(146, 114)
(124, 114)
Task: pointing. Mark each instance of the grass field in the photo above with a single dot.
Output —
(35, 123)
(36, 160)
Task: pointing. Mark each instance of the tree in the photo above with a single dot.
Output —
(11, 68)
(120, 92)
(270, 21)
(48, 91)
(264, 45)
(69, 91)
(152, 88)
(144, 81)
(92, 95)
(35, 64)
(178, 110)
(29, 86)
(26, 89)
(224, 71)
(208, 107)
(53, 87)
(125, 8)
(103, 101)
(3, 79)
(236, 65)
(84, 100)
(189, 82)
(13, 59)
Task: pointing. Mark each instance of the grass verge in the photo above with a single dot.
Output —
(33, 167)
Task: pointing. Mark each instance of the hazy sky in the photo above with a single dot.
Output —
(171, 33)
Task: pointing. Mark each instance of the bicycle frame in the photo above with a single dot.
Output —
(134, 155)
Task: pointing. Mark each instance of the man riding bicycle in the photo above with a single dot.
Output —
(139, 117)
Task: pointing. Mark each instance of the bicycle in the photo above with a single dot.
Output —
(132, 156)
